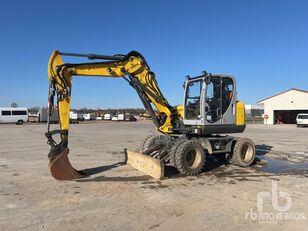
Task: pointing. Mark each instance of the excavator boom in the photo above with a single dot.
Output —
(131, 67)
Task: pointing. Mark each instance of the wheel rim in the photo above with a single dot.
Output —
(247, 152)
(193, 158)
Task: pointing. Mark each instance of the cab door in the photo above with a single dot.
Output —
(228, 100)
(213, 101)
(219, 100)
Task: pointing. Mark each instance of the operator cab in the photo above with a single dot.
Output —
(210, 104)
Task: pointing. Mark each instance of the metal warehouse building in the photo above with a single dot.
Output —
(284, 107)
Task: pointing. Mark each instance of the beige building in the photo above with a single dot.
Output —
(284, 107)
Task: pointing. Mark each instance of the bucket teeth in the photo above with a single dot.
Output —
(61, 168)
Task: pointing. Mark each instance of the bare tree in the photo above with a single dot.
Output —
(14, 104)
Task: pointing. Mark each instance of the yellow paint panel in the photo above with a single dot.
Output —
(180, 110)
(240, 113)
(54, 61)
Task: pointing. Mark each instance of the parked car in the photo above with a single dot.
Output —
(31, 114)
(80, 117)
(131, 118)
(302, 120)
(99, 118)
(33, 117)
(88, 116)
(114, 118)
(107, 117)
(13, 115)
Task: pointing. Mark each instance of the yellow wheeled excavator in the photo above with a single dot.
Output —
(190, 132)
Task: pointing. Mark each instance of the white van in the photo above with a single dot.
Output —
(302, 120)
(13, 115)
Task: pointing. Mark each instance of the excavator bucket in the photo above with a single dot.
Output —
(61, 168)
(145, 164)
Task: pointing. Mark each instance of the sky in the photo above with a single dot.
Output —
(263, 43)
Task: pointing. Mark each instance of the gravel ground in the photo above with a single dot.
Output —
(117, 197)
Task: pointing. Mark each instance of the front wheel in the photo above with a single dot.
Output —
(151, 141)
(190, 157)
(244, 152)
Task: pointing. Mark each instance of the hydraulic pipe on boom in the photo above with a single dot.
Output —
(132, 67)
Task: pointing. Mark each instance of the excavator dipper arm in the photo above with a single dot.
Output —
(132, 67)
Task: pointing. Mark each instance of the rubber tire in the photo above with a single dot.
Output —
(180, 157)
(174, 149)
(20, 122)
(237, 157)
(152, 141)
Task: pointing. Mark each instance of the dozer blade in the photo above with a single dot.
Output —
(145, 164)
(61, 168)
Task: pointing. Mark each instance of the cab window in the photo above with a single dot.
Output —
(219, 95)
(227, 93)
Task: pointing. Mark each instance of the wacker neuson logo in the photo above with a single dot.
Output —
(281, 207)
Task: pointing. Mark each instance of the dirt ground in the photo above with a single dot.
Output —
(117, 197)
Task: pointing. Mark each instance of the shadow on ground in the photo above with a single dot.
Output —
(92, 171)
(99, 169)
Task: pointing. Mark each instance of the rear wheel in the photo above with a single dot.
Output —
(20, 122)
(244, 152)
(190, 158)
